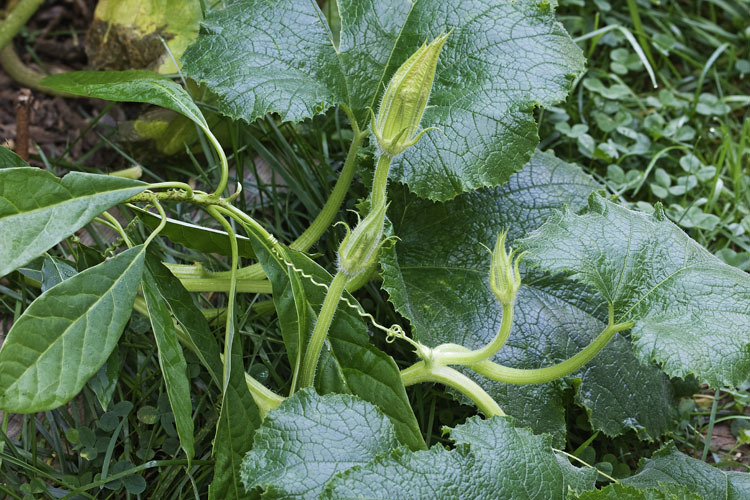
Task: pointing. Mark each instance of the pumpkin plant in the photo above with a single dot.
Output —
(592, 295)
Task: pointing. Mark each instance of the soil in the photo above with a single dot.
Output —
(54, 41)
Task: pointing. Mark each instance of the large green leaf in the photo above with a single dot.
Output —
(67, 333)
(492, 459)
(129, 86)
(669, 467)
(238, 420)
(344, 447)
(501, 60)
(438, 279)
(188, 316)
(31, 222)
(310, 438)
(691, 311)
(366, 371)
(172, 363)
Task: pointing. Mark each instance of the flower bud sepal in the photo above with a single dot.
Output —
(505, 277)
(359, 249)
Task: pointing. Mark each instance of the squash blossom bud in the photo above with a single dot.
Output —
(359, 249)
(504, 275)
(405, 99)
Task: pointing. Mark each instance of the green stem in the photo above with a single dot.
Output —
(224, 285)
(380, 180)
(24, 75)
(462, 357)
(229, 332)
(419, 372)
(16, 19)
(541, 375)
(324, 219)
(327, 310)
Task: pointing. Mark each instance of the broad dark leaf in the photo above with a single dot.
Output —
(668, 467)
(32, 224)
(438, 279)
(691, 311)
(67, 334)
(10, 159)
(501, 60)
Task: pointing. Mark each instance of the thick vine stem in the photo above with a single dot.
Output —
(16, 18)
(420, 372)
(327, 310)
(380, 180)
(541, 375)
(449, 354)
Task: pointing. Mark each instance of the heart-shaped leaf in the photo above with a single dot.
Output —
(691, 311)
(500, 61)
(438, 279)
(349, 444)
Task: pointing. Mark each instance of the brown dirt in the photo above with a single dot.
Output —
(55, 37)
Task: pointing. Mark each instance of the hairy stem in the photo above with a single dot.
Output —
(16, 18)
(380, 180)
(23, 74)
(327, 310)
(324, 219)
(541, 375)
(462, 356)
(420, 372)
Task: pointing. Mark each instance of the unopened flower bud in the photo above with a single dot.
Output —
(405, 99)
(359, 249)
(505, 278)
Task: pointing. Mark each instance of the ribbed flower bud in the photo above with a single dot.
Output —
(359, 249)
(505, 277)
(405, 99)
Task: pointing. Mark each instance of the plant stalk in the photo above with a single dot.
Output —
(419, 372)
(380, 180)
(541, 375)
(461, 356)
(16, 18)
(327, 310)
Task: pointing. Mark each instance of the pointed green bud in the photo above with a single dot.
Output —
(505, 277)
(405, 99)
(359, 249)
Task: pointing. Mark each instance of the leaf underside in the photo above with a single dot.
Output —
(437, 277)
(500, 61)
(691, 311)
